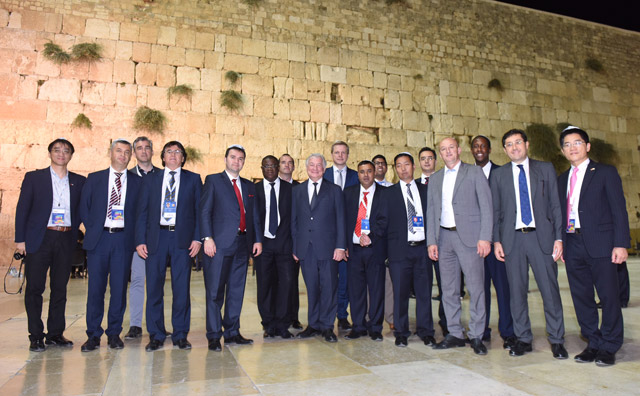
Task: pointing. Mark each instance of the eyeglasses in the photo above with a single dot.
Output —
(61, 151)
(519, 142)
(577, 143)
(176, 152)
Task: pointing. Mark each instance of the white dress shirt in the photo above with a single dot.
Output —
(447, 216)
(487, 169)
(267, 197)
(337, 173)
(310, 188)
(575, 198)
(516, 186)
(61, 199)
(165, 183)
(418, 236)
(384, 183)
(370, 192)
(424, 178)
(108, 222)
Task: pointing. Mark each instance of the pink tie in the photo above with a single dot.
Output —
(572, 184)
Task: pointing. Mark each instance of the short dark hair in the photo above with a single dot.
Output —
(142, 139)
(570, 130)
(286, 155)
(271, 157)
(514, 132)
(403, 154)
(180, 146)
(235, 147)
(366, 162)
(379, 156)
(339, 143)
(61, 141)
(422, 150)
(481, 137)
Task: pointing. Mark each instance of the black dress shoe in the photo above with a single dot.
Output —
(115, 342)
(296, 325)
(436, 298)
(354, 334)
(59, 340)
(308, 332)
(604, 359)
(153, 345)
(401, 341)
(134, 332)
(509, 342)
(182, 343)
(450, 342)
(37, 346)
(343, 324)
(486, 337)
(559, 351)
(286, 334)
(329, 336)
(624, 304)
(520, 348)
(376, 336)
(214, 345)
(428, 340)
(269, 333)
(91, 344)
(599, 305)
(238, 339)
(586, 356)
(478, 346)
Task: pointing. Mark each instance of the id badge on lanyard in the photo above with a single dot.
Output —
(57, 216)
(117, 215)
(169, 209)
(418, 223)
(365, 227)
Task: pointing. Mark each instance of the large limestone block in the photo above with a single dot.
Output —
(263, 107)
(101, 28)
(205, 41)
(213, 60)
(281, 109)
(300, 110)
(165, 75)
(124, 50)
(157, 98)
(328, 56)
(210, 79)
(9, 85)
(141, 52)
(297, 70)
(167, 35)
(194, 57)
(254, 47)
(296, 52)
(320, 111)
(331, 74)
(253, 84)
(148, 34)
(188, 76)
(276, 50)
(229, 125)
(175, 56)
(129, 31)
(393, 137)
(201, 101)
(126, 95)
(300, 89)
(185, 38)
(18, 39)
(60, 90)
(241, 63)
(146, 73)
(123, 71)
(28, 87)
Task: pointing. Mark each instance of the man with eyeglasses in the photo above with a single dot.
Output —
(46, 230)
(143, 151)
(596, 236)
(108, 211)
(528, 231)
(168, 227)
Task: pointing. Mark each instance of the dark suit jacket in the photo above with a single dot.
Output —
(352, 205)
(282, 242)
(544, 198)
(220, 212)
(603, 212)
(150, 204)
(35, 203)
(351, 177)
(95, 201)
(394, 219)
(324, 225)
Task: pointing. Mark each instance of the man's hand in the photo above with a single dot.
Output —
(365, 240)
(21, 247)
(194, 248)
(484, 248)
(338, 254)
(433, 252)
(210, 247)
(557, 250)
(295, 257)
(619, 255)
(257, 249)
(142, 251)
(499, 252)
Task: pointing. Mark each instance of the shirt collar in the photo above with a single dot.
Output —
(371, 190)
(53, 173)
(582, 167)
(177, 170)
(524, 163)
(113, 171)
(455, 168)
(230, 176)
(277, 182)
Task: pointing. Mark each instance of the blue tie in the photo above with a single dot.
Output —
(273, 210)
(525, 207)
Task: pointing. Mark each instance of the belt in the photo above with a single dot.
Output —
(418, 243)
(242, 232)
(524, 230)
(59, 228)
(449, 228)
(113, 229)
(168, 227)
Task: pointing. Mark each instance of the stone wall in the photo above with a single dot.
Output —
(384, 78)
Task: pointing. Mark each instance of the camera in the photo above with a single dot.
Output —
(18, 256)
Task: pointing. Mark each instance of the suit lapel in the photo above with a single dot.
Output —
(534, 177)
(592, 168)
(227, 184)
(462, 173)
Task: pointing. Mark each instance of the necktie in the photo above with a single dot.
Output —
(572, 184)
(169, 193)
(339, 181)
(411, 210)
(273, 210)
(525, 206)
(314, 197)
(362, 214)
(243, 222)
(426, 181)
(115, 194)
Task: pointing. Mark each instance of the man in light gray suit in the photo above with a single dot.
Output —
(459, 226)
(528, 230)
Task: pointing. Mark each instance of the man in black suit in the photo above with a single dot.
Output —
(275, 267)
(596, 236)
(494, 269)
(404, 224)
(318, 231)
(367, 253)
(46, 229)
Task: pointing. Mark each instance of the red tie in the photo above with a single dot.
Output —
(362, 213)
(243, 222)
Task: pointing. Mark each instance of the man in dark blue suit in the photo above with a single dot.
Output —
(343, 177)
(108, 211)
(367, 251)
(596, 238)
(230, 227)
(494, 269)
(47, 220)
(275, 267)
(404, 223)
(167, 227)
(318, 231)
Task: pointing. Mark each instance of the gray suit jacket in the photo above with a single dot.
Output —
(471, 206)
(544, 197)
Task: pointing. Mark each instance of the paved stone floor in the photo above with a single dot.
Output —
(308, 367)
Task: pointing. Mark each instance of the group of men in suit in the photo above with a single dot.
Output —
(349, 231)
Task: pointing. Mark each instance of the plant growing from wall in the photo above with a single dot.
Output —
(252, 3)
(495, 84)
(90, 52)
(150, 120)
(193, 154)
(231, 76)
(181, 90)
(55, 53)
(594, 64)
(231, 100)
(82, 121)
(544, 145)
